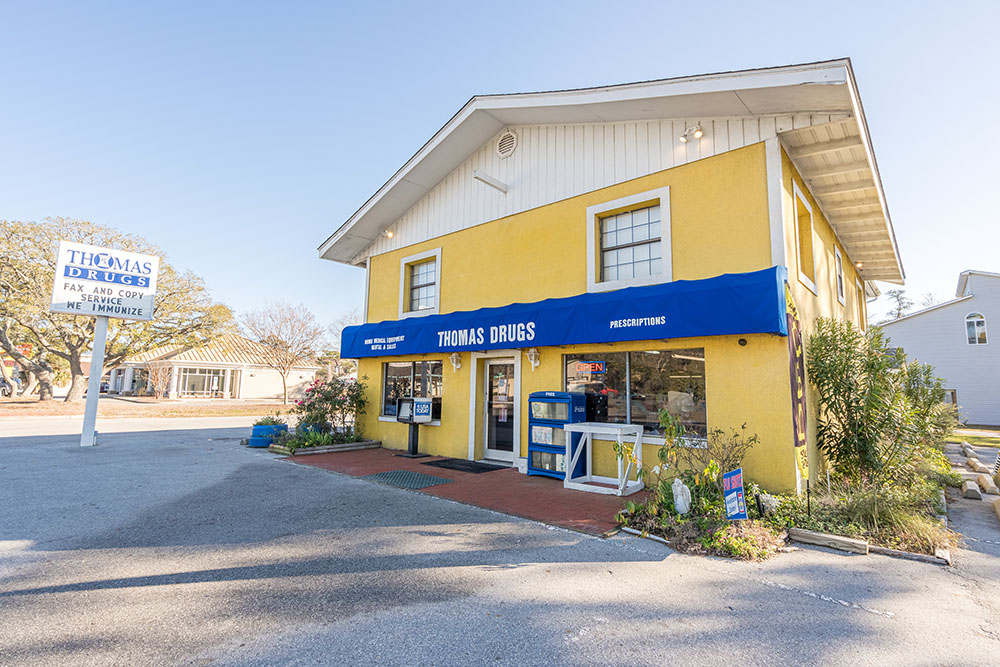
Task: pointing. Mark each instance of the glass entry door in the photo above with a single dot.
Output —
(499, 400)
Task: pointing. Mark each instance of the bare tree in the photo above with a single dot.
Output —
(157, 378)
(929, 299)
(290, 335)
(901, 303)
(335, 366)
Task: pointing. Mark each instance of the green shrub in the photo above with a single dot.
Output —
(899, 517)
(705, 528)
(933, 419)
(333, 404)
(865, 425)
(274, 420)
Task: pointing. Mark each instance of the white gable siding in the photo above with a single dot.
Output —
(554, 162)
(938, 337)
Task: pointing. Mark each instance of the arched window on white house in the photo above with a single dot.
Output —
(975, 325)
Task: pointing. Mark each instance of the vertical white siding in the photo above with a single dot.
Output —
(554, 162)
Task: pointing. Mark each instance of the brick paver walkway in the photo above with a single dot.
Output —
(539, 498)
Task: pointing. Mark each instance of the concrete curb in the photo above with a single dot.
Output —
(328, 449)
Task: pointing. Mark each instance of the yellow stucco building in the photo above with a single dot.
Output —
(674, 224)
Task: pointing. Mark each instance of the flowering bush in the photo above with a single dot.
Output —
(332, 404)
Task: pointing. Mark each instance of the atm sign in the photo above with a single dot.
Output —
(591, 367)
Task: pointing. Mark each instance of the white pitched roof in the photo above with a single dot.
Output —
(963, 279)
(840, 176)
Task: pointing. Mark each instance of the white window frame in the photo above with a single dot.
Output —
(985, 328)
(392, 419)
(659, 196)
(804, 279)
(840, 282)
(404, 296)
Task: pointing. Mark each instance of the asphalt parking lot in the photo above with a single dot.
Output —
(171, 544)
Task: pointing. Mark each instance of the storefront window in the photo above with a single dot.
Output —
(602, 376)
(418, 379)
(633, 387)
(671, 379)
(201, 382)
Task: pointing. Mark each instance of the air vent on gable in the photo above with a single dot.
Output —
(506, 143)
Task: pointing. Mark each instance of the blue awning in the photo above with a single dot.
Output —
(734, 303)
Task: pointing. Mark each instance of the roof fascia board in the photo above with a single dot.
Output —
(859, 112)
(927, 310)
(833, 73)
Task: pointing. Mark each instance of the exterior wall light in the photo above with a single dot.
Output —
(535, 357)
(456, 360)
(388, 233)
(693, 131)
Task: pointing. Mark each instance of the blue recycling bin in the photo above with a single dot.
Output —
(548, 411)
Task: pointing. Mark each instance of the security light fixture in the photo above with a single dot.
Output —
(388, 233)
(693, 131)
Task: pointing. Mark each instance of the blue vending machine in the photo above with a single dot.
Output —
(548, 411)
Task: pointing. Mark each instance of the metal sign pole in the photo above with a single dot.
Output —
(87, 439)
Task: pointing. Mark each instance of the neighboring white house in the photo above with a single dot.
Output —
(955, 337)
(229, 366)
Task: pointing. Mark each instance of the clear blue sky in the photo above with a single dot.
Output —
(239, 135)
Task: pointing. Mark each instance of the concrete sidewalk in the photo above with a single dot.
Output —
(531, 497)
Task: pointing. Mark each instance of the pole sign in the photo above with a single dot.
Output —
(732, 490)
(101, 282)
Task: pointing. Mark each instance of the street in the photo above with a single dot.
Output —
(171, 544)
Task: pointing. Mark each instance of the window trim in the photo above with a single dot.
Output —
(839, 279)
(985, 328)
(804, 279)
(382, 417)
(404, 279)
(659, 196)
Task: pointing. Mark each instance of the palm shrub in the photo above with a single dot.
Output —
(866, 421)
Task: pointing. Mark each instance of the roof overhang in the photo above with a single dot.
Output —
(815, 88)
(963, 279)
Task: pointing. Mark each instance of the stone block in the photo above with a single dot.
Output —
(987, 485)
(977, 465)
(971, 490)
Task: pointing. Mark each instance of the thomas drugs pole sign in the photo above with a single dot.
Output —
(102, 283)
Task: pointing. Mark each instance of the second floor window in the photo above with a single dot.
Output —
(975, 325)
(804, 239)
(423, 285)
(631, 244)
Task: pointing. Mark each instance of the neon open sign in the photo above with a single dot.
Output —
(591, 367)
